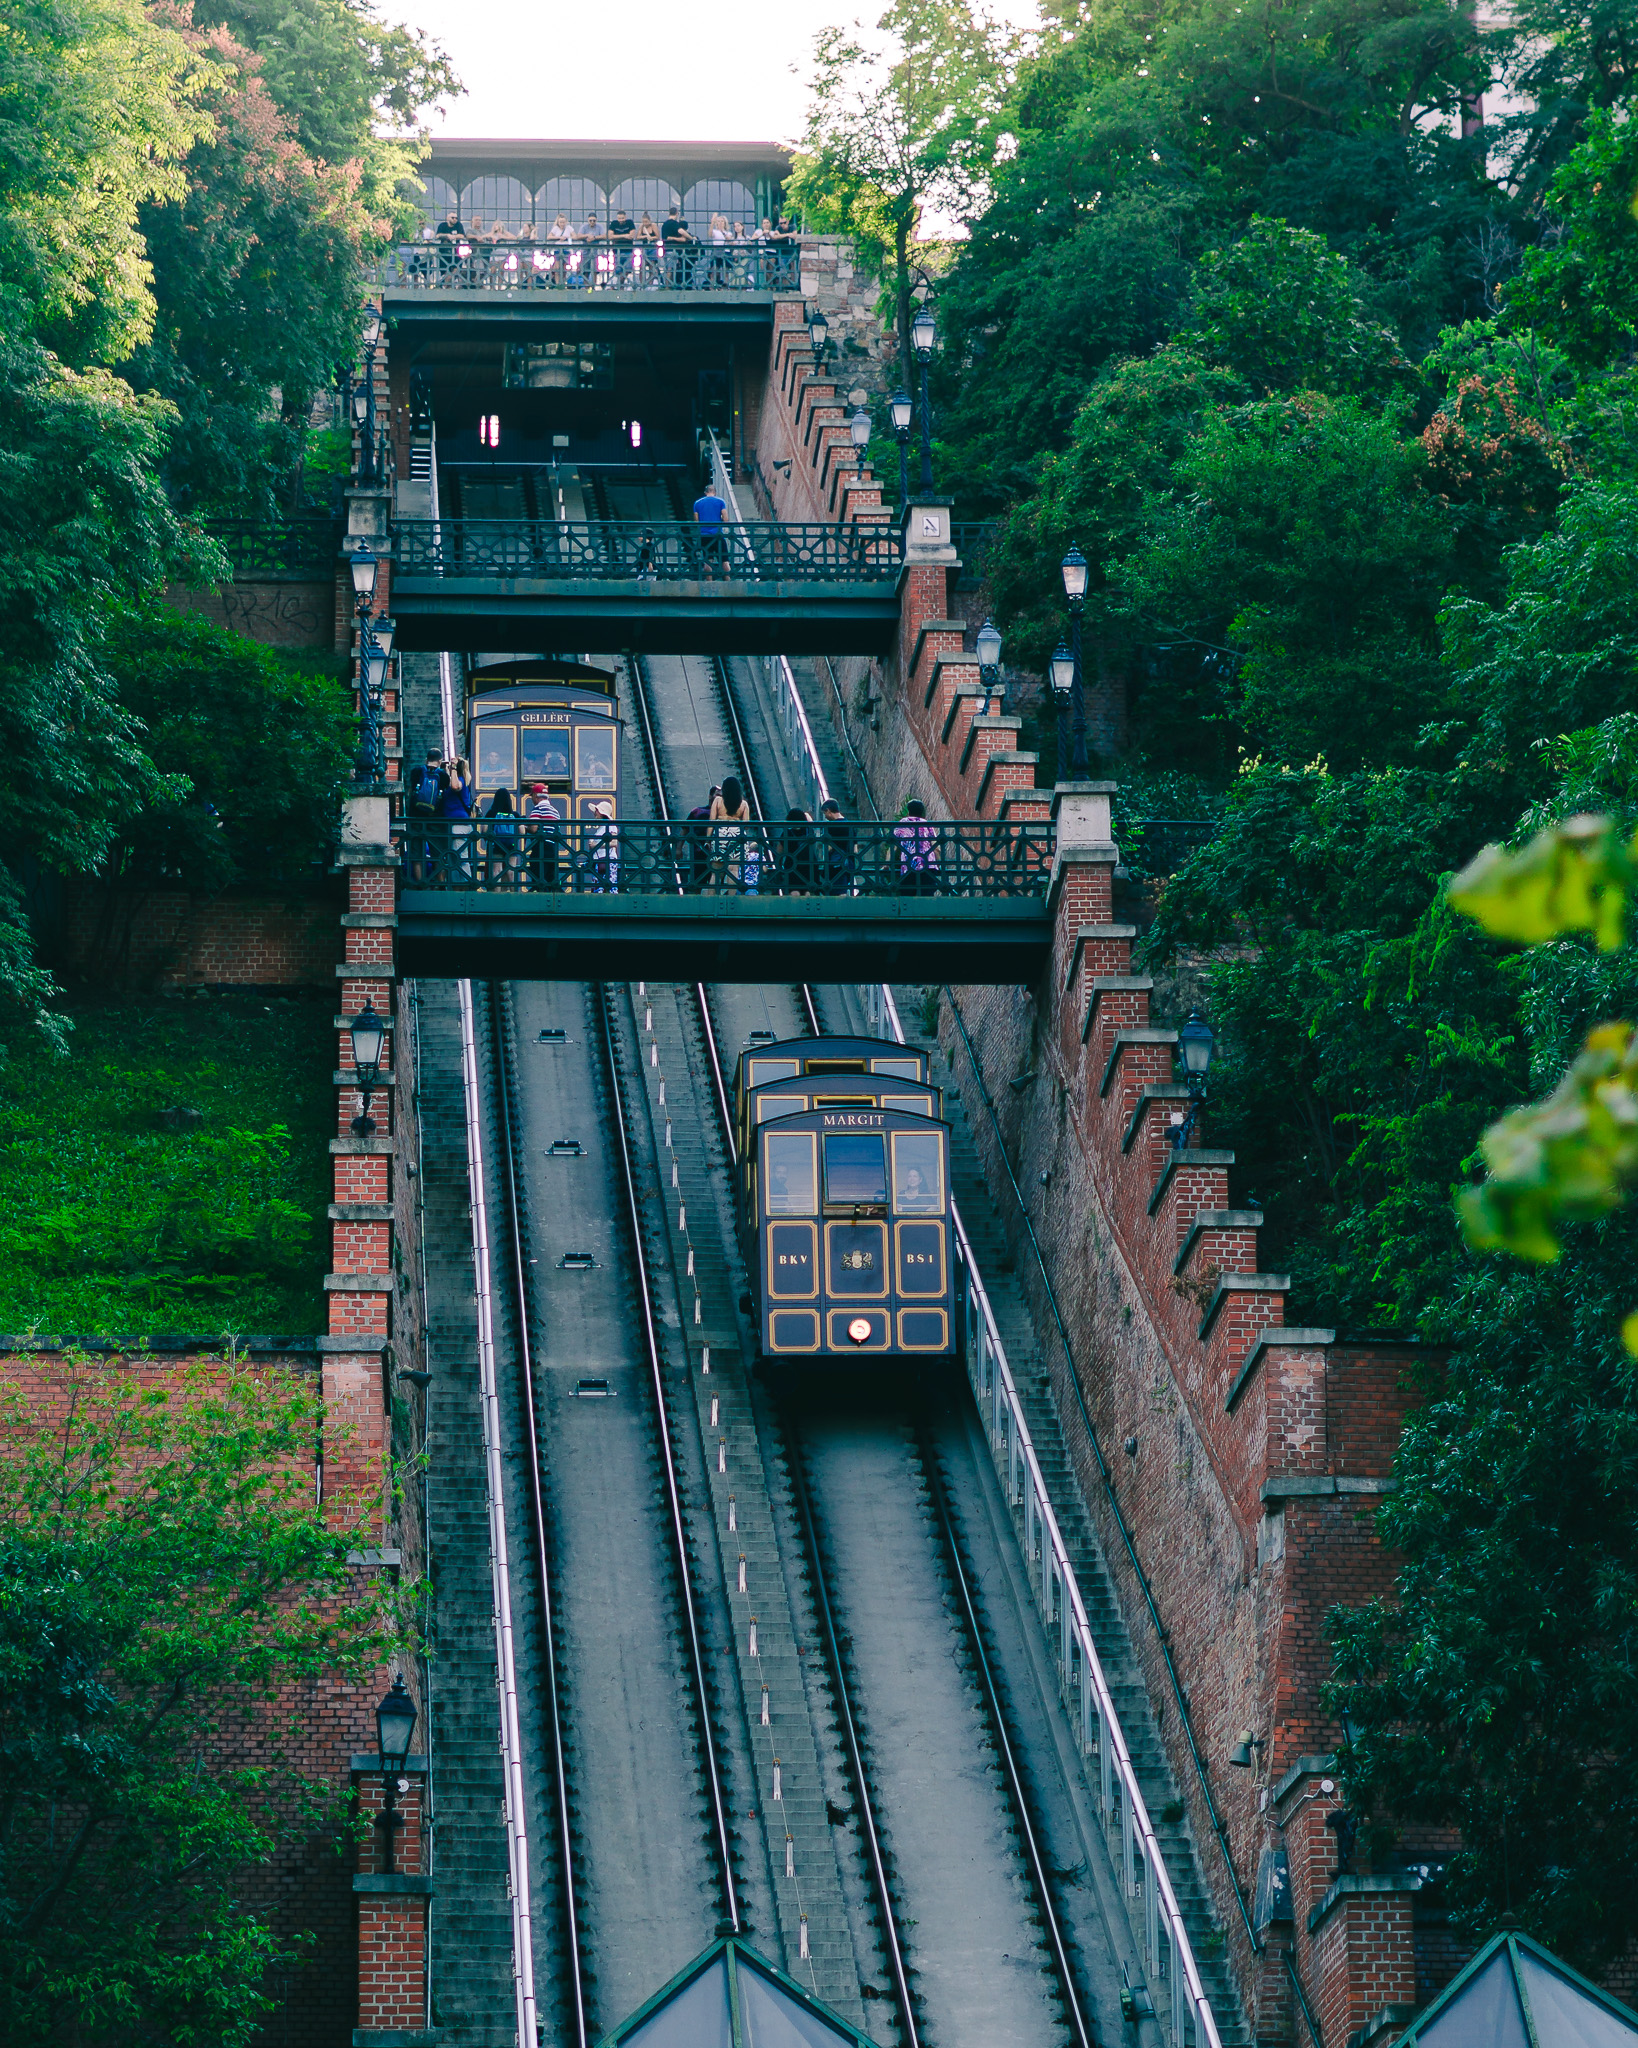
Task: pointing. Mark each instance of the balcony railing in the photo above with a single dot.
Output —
(927, 859)
(293, 550)
(466, 265)
(666, 550)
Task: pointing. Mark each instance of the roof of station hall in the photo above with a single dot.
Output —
(458, 158)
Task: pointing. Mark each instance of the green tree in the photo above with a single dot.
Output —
(165, 1577)
(353, 85)
(99, 104)
(256, 282)
(898, 122)
(1581, 290)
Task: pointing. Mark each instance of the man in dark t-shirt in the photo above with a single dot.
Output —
(621, 230)
(674, 238)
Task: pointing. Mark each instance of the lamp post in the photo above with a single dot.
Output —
(899, 408)
(394, 1725)
(369, 1034)
(364, 397)
(1074, 575)
(370, 763)
(1196, 1043)
(1062, 671)
(988, 644)
(818, 329)
(923, 333)
(858, 427)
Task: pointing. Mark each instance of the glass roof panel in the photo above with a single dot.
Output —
(695, 2017)
(1565, 2016)
(771, 2018)
(1483, 2014)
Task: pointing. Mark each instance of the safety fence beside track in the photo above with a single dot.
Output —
(638, 550)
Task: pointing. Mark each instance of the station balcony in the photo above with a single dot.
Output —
(603, 900)
(465, 265)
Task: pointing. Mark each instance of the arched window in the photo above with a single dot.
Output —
(638, 196)
(576, 197)
(488, 200)
(717, 195)
(438, 200)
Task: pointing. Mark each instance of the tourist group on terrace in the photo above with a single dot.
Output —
(593, 252)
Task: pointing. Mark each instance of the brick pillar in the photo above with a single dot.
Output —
(359, 1286)
(392, 1910)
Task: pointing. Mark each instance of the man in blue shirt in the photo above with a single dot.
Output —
(708, 510)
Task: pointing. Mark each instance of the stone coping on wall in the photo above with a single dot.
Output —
(1309, 1339)
(402, 1883)
(1348, 1887)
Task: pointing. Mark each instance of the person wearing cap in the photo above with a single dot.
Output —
(916, 843)
(602, 850)
(542, 817)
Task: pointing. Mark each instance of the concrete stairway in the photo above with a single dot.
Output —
(471, 1915)
(1155, 1777)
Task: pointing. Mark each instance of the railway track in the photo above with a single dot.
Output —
(1039, 1998)
(783, 1675)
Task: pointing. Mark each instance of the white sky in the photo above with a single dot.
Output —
(634, 70)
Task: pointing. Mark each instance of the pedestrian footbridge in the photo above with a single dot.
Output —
(593, 900)
(648, 586)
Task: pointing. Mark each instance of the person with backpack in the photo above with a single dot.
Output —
(501, 854)
(916, 844)
(733, 857)
(698, 826)
(422, 806)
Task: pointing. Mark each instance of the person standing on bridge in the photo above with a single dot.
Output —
(733, 858)
(674, 237)
(838, 837)
(708, 510)
(916, 841)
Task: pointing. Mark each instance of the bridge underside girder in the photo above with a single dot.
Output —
(450, 934)
(449, 614)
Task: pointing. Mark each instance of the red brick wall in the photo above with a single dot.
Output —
(172, 939)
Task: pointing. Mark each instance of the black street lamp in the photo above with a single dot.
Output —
(818, 328)
(1074, 575)
(899, 408)
(988, 644)
(1196, 1044)
(369, 1036)
(858, 427)
(1062, 671)
(364, 397)
(394, 1725)
(923, 333)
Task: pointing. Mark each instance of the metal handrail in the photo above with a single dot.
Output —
(1002, 1394)
(639, 550)
(589, 264)
(1142, 1577)
(301, 547)
(929, 858)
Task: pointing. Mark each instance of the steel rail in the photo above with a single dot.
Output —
(1107, 1479)
(855, 1757)
(673, 1493)
(501, 1037)
(1095, 1684)
(1025, 1820)
(640, 694)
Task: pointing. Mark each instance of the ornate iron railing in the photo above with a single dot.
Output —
(667, 550)
(465, 265)
(279, 550)
(1159, 846)
(585, 856)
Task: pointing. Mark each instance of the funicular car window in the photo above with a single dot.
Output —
(918, 1174)
(497, 756)
(855, 1167)
(546, 753)
(593, 758)
(788, 1189)
(901, 1070)
(758, 1071)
